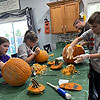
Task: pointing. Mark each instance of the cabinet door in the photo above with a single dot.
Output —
(71, 14)
(57, 18)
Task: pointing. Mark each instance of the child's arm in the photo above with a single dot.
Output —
(81, 58)
(70, 48)
(37, 50)
(1, 64)
(84, 43)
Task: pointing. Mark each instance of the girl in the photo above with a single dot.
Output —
(4, 45)
(25, 49)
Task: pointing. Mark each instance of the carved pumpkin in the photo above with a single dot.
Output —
(41, 57)
(36, 90)
(16, 71)
(78, 49)
(57, 66)
(51, 62)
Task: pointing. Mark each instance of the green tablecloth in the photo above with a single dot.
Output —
(8, 92)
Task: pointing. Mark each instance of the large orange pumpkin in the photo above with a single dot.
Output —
(78, 49)
(16, 71)
(42, 56)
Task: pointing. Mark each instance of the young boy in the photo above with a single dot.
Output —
(93, 36)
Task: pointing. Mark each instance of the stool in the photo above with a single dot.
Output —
(47, 48)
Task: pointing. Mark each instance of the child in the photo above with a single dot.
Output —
(4, 45)
(93, 36)
(25, 49)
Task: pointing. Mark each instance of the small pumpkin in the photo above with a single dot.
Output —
(78, 50)
(16, 71)
(41, 57)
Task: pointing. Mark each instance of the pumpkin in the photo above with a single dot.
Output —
(77, 50)
(42, 56)
(71, 86)
(16, 71)
(36, 90)
(57, 66)
(51, 62)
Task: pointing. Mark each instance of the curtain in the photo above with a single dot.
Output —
(30, 21)
(21, 13)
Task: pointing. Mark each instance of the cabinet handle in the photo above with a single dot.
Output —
(65, 28)
(62, 28)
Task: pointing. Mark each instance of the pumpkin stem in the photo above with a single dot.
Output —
(56, 62)
(35, 83)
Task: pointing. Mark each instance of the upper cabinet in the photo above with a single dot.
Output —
(62, 15)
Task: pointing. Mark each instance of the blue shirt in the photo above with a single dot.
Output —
(4, 58)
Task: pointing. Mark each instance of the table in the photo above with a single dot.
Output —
(8, 92)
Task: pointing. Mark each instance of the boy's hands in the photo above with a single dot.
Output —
(37, 50)
(81, 58)
(70, 52)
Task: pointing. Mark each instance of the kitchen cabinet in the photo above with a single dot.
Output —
(62, 16)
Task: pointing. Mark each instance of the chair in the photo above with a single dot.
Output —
(15, 55)
(47, 48)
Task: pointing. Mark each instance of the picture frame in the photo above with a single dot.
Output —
(9, 5)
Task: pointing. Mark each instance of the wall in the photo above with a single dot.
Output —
(40, 11)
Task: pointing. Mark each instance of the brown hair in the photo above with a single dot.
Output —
(3, 40)
(77, 20)
(31, 35)
(94, 18)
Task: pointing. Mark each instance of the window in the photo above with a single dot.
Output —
(14, 31)
(92, 7)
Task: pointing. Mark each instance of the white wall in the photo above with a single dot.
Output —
(40, 11)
